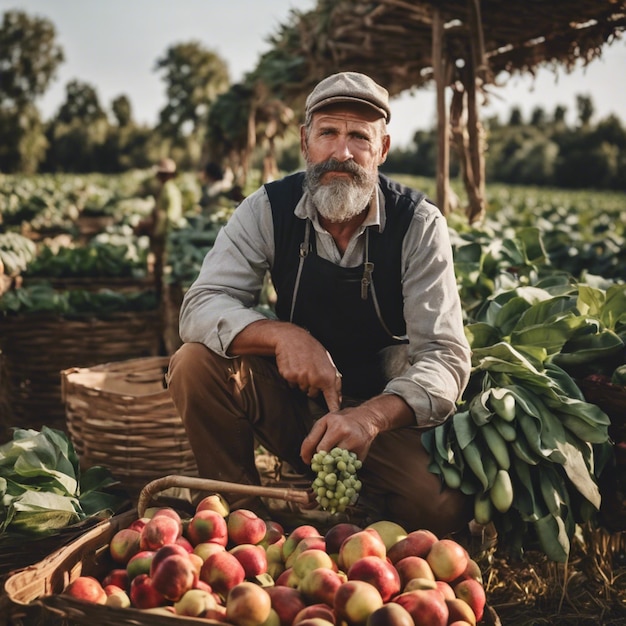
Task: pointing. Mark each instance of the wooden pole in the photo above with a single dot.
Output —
(443, 146)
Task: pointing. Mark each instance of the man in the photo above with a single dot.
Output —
(369, 348)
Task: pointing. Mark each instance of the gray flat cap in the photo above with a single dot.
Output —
(348, 87)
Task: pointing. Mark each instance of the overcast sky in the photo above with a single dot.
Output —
(114, 44)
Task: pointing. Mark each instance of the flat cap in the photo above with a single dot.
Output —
(348, 87)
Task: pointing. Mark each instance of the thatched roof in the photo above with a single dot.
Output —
(464, 45)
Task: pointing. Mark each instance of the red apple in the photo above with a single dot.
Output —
(245, 526)
(445, 590)
(287, 602)
(252, 557)
(310, 560)
(472, 592)
(139, 523)
(313, 542)
(248, 604)
(222, 571)
(86, 588)
(162, 553)
(390, 532)
(320, 585)
(378, 572)
(142, 593)
(206, 549)
(358, 545)
(158, 532)
(275, 565)
(185, 543)
(448, 559)
(274, 533)
(117, 577)
(416, 543)
(355, 600)
(174, 576)
(295, 536)
(337, 534)
(140, 563)
(413, 567)
(421, 583)
(390, 614)
(207, 526)
(426, 606)
(170, 512)
(124, 544)
(288, 578)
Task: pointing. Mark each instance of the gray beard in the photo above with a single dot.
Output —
(341, 199)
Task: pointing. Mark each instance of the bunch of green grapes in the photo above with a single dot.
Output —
(336, 485)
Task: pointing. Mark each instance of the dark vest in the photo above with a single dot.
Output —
(329, 301)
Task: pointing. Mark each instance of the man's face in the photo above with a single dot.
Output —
(343, 148)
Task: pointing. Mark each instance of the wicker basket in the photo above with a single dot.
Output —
(36, 348)
(120, 415)
(35, 592)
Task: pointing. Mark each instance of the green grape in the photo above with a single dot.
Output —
(336, 485)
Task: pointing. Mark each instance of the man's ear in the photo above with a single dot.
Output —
(385, 149)
(303, 147)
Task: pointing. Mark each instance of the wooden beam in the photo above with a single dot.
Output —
(443, 146)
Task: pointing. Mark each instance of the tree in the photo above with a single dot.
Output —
(194, 78)
(29, 58)
(585, 108)
(122, 110)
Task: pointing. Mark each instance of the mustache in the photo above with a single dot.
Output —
(317, 170)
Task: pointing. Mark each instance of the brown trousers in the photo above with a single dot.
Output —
(228, 405)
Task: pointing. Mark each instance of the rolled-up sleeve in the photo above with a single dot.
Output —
(220, 303)
(439, 354)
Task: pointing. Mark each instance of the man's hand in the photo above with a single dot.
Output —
(300, 358)
(355, 428)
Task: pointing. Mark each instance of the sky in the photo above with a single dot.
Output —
(113, 45)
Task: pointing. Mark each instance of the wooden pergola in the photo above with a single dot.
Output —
(463, 46)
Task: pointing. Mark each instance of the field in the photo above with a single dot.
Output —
(541, 281)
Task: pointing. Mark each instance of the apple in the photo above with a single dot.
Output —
(185, 543)
(390, 614)
(310, 560)
(426, 606)
(420, 583)
(140, 563)
(162, 553)
(86, 588)
(207, 548)
(459, 610)
(117, 577)
(174, 576)
(444, 588)
(248, 604)
(390, 532)
(358, 545)
(214, 502)
(170, 512)
(337, 534)
(245, 526)
(471, 571)
(116, 596)
(472, 592)
(139, 523)
(274, 533)
(319, 586)
(294, 538)
(413, 567)
(319, 611)
(314, 621)
(159, 531)
(355, 600)
(124, 544)
(207, 526)
(222, 571)
(288, 578)
(142, 593)
(287, 602)
(312, 542)
(448, 559)
(378, 572)
(217, 614)
(195, 602)
(252, 557)
(416, 543)
(275, 565)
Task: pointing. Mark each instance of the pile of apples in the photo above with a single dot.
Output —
(233, 567)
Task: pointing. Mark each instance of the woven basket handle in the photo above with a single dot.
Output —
(208, 484)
